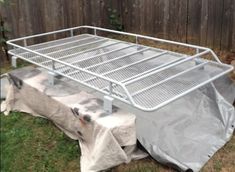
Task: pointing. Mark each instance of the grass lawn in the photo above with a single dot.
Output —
(34, 144)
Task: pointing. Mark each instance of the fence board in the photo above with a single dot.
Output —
(219, 5)
(194, 20)
(233, 29)
(203, 22)
(227, 25)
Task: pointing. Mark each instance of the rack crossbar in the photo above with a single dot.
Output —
(128, 65)
(73, 63)
(107, 61)
(167, 79)
(167, 67)
(153, 69)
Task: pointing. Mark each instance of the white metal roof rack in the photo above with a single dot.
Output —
(144, 77)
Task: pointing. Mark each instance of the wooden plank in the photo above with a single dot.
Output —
(104, 14)
(171, 25)
(95, 13)
(50, 10)
(182, 20)
(211, 23)
(67, 10)
(177, 24)
(126, 15)
(147, 20)
(227, 25)
(166, 16)
(8, 23)
(158, 18)
(233, 29)
(87, 13)
(194, 20)
(204, 22)
(135, 20)
(219, 5)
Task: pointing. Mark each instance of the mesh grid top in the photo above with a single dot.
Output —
(145, 77)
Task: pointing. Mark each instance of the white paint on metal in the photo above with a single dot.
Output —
(76, 64)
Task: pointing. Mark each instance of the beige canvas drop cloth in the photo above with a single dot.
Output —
(105, 140)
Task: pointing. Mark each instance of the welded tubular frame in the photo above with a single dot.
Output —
(112, 84)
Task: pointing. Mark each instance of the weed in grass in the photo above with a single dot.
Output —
(217, 166)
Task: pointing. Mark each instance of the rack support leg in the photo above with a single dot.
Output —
(108, 104)
(51, 78)
(14, 61)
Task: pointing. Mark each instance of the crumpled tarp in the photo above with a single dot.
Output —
(184, 134)
(187, 132)
(105, 140)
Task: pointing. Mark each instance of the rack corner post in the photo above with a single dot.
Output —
(108, 104)
(14, 61)
(51, 78)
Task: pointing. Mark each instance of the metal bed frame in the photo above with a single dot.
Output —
(145, 77)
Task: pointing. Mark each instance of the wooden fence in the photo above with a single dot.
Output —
(204, 22)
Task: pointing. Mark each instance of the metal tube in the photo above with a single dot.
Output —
(71, 32)
(67, 38)
(110, 88)
(197, 61)
(118, 49)
(93, 87)
(25, 42)
(44, 34)
(63, 57)
(183, 94)
(87, 50)
(103, 77)
(167, 79)
(111, 60)
(53, 65)
(137, 62)
(91, 57)
(80, 45)
(95, 32)
(54, 52)
(62, 62)
(169, 66)
(150, 70)
(112, 31)
(128, 65)
(106, 60)
(215, 56)
(57, 45)
(146, 37)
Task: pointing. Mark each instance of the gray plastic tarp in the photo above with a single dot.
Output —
(185, 133)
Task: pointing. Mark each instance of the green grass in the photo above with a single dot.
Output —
(6, 67)
(35, 144)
